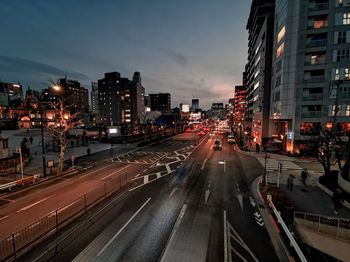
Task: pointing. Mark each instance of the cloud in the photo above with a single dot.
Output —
(178, 58)
(25, 66)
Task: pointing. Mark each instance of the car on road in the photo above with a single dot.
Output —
(217, 145)
(212, 133)
(231, 139)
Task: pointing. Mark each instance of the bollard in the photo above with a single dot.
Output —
(85, 202)
(14, 246)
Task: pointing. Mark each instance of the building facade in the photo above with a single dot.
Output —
(311, 63)
(258, 69)
(77, 97)
(121, 101)
(195, 104)
(10, 94)
(94, 98)
(161, 102)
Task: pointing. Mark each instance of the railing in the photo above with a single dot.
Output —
(336, 227)
(312, 97)
(317, 7)
(315, 114)
(316, 61)
(317, 43)
(314, 79)
(25, 238)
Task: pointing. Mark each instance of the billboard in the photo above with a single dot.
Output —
(185, 108)
(195, 117)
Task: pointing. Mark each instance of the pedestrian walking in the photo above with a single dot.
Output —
(304, 175)
(336, 202)
(290, 182)
(257, 147)
(89, 151)
(31, 140)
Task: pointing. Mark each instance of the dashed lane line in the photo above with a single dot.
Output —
(105, 177)
(34, 204)
(125, 225)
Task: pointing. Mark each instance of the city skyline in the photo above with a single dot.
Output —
(185, 57)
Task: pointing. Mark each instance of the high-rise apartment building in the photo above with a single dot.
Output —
(240, 104)
(121, 101)
(258, 68)
(195, 104)
(160, 102)
(77, 97)
(311, 63)
(10, 94)
(94, 98)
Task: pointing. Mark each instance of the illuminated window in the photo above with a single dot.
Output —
(346, 19)
(347, 110)
(346, 74)
(340, 2)
(280, 50)
(256, 85)
(281, 34)
(336, 77)
(336, 110)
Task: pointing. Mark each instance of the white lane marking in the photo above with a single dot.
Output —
(105, 177)
(34, 204)
(173, 192)
(93, 171)
(173, 232)
(125, 225)
(168, 169)
(205, 161)
(2, 218)
(137, 175)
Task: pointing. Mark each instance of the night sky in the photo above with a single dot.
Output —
(184, 47)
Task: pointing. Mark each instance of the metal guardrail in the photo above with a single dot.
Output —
(14, 245)
(19, 182)
(334, 226)
(294, 244)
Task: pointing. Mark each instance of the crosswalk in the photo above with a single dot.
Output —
(272, 164)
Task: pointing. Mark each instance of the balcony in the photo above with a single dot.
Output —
(316, 61)
(314, 97)
(315, 114)
(318, 7)
(317, 43)
(317, 23)
(314, 79)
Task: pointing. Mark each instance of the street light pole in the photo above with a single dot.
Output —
(42, 136)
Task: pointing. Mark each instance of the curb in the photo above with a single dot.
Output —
(70, 172)
(270, 224)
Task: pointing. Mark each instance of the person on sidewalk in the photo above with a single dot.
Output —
(290, 182)
(89, 151)
(31, 140)
(304, 175)
(336, 202)
(257, 148)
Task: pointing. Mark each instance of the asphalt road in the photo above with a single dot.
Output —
(21, 208)
(164, 218)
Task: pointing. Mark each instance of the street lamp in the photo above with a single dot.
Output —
(55, 88)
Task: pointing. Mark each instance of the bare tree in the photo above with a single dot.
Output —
(63, 123)
(329, 147)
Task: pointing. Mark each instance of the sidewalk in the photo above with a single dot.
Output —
(36, 164)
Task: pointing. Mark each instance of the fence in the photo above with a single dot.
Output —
(25, 238)
(337, 227)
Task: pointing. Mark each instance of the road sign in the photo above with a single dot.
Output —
(72, 157)
(50, 163)
(18, 149)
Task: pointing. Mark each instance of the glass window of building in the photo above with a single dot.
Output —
(346, 74)
(281, 34)
(336, 76)
(280, 50)
(346, 18)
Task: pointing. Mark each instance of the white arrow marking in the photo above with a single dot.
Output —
(260, 224)
(240, 200)
(207, 193)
